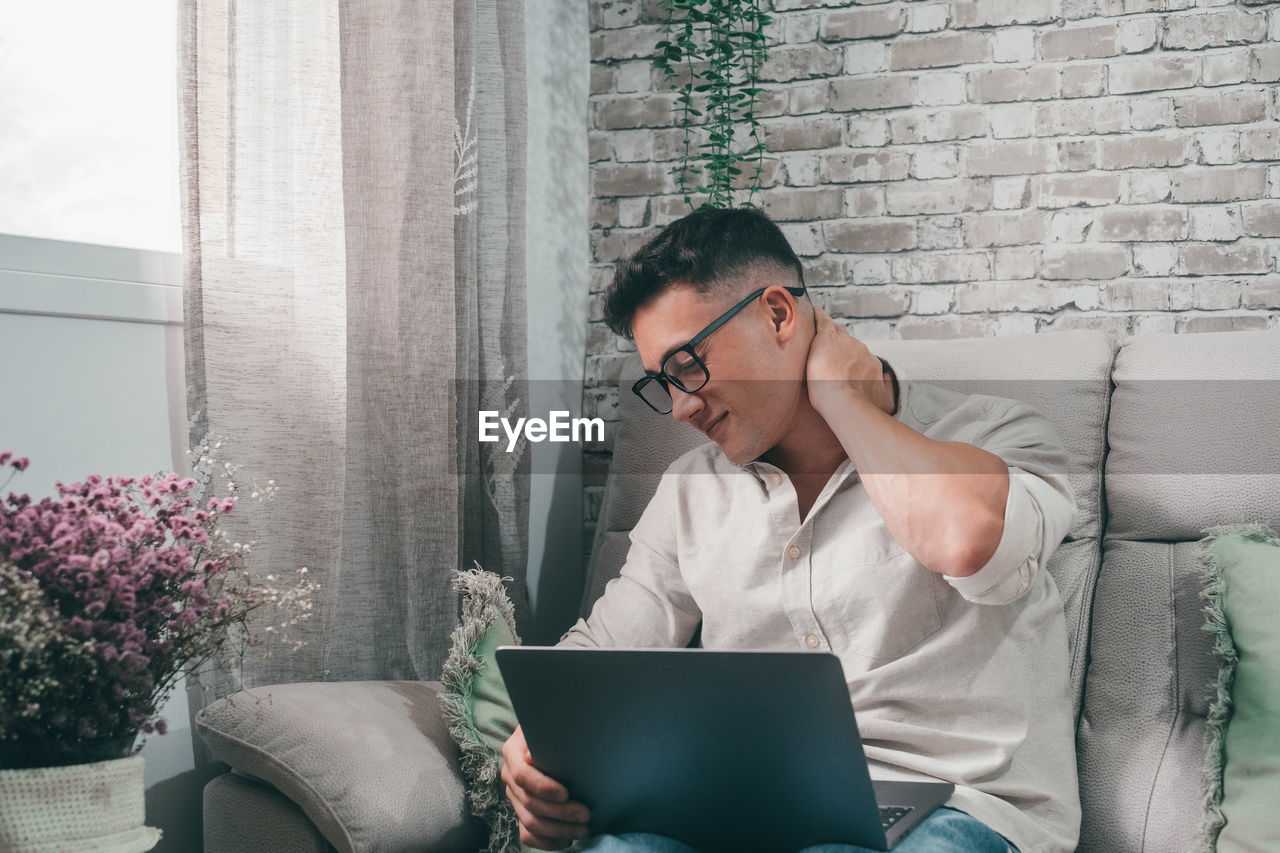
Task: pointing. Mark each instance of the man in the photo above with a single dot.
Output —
(901, 526)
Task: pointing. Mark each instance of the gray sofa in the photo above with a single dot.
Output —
(1168, 435)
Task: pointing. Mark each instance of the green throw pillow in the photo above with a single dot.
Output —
(475, 702)
(1242, 768)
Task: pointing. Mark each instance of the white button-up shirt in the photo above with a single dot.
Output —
(960, 679)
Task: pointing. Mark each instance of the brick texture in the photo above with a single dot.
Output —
(963, 168)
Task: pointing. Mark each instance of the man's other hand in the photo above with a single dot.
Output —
(548, 819)
(839, 365)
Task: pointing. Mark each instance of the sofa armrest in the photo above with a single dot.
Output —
(243, 815)
(370, 763)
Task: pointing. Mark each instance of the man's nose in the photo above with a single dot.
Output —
(684, 405)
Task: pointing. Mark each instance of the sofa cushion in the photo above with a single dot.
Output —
(1193, 434)
(1140, 739)
(369, 762)
(1243, 761)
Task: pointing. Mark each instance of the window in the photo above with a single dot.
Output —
(88, 122)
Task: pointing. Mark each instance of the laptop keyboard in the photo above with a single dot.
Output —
(889, 815)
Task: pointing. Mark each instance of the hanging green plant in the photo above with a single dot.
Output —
(715, 48)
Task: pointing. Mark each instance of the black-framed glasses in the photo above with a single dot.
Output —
(682, 367)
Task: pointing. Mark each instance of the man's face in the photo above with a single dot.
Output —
(756, 378)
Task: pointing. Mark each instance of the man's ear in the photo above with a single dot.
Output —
(784, 312)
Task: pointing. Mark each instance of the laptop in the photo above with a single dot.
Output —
(723, 750)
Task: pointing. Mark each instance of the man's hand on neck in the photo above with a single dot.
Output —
(840, 366)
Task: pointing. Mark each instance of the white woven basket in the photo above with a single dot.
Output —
(99, 807)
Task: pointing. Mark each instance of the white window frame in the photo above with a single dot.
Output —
(58, 278)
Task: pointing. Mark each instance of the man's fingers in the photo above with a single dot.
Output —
(548, 819)
(528, 839)
(506, 773)
(568, 812)
(828, 325)
(540, 825)
(539, 784)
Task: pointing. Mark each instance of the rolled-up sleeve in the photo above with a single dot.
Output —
(1038, 511)
(648, 605)
(1036, 517)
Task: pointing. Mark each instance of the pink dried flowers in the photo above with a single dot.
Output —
(113, 589)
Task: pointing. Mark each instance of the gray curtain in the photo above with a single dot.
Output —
(353, 235)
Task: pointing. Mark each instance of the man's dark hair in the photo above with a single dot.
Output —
(706, 250)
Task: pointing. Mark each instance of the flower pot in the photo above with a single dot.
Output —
(84, 807)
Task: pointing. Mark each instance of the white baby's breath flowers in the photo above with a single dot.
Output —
(33, 646)
(284, 606)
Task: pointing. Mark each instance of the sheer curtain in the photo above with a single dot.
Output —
(353, 237)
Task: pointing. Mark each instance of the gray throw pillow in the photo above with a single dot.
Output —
(369, 762)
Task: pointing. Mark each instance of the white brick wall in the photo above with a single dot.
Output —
(985, 167)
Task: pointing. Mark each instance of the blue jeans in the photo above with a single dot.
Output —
(944, 831)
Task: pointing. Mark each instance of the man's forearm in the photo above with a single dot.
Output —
(944, 501)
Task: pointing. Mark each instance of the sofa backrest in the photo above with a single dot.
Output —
(1063, 374)
(1193, 443)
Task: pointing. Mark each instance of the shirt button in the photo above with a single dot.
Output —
(777, 478)
(812, 641)
(793, 552)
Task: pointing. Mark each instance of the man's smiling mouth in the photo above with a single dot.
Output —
(715, 427)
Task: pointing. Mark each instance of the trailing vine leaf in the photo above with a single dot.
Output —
(712, 50)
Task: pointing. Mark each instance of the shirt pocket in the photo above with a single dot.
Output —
(886, 607)
(740, 592)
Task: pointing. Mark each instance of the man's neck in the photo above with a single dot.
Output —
(810, 448)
